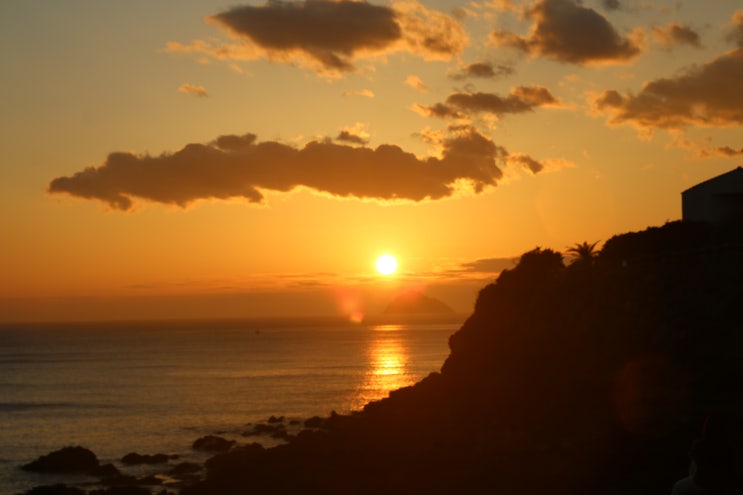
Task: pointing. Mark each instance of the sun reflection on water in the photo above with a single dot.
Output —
(387, 365)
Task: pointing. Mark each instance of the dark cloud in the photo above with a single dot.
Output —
(441, 110)
(522, 99)
(482, 70)
(350, 137)
(569, 32)
(612, 4)
(709, 95)
(526, 162)
(728, 151)
(677, 34)
(242, 167)
(489, 265)
(330, 36)
(329, 32)
(705, 150)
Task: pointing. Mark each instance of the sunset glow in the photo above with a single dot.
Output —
(251, 159)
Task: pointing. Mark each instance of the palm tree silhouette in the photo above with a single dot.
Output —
(583, 252)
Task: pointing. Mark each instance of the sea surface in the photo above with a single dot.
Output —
(154, 387)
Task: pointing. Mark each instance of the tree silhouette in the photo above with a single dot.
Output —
(584, 252)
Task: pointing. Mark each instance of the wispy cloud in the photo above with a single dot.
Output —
(330, 36)
(193, 90)
(705, 149)
(677, 34)
(482, 70)
(567, 31)
(356, 134)
(241, 167)
(521, 99)
(366, 93)
(416, 83)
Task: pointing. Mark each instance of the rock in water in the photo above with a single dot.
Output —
(211, 443)
(65, 460)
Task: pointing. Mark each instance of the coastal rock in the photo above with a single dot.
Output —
(122, 490)
(185, 468)
(275, 419)
(276, 430)
(120, 480)
(65, 460)
(211, 443)
(105, 471)
(54, 490)
(235, 459)
(314, 422)
(534, 395)
(133, 459)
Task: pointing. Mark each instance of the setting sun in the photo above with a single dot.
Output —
(386, 264)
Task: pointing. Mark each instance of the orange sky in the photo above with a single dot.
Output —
(222, 159)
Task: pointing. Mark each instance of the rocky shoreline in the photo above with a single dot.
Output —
(160, 473)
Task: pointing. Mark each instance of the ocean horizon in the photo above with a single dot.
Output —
(155, 386)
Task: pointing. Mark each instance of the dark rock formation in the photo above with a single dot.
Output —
(185, 468)
(580, 379)
(414, 302)
(212, 443)
(54, 490)
(65, 460)
(105, 470)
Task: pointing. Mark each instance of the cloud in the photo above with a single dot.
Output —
(677, 34)
(505, 5)
(482, 70)
(611, 4)
(355, 134)
(416, 83)
(350, 137)
(367, 93)
(709, 95)
(429, 33)
(241, 167)
(193, 90)
(330, 36)
(736, 34)
(566, 31)
(526, 162)
(488, 265)
(705, 150)
(522, 99)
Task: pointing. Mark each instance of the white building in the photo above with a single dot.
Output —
(716, 200)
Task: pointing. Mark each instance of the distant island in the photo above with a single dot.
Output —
(416, 303)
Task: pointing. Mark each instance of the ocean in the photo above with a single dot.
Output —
(154, 387)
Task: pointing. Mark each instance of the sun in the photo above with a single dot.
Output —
(386, 264)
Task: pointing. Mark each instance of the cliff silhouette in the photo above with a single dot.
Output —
(587, 378)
